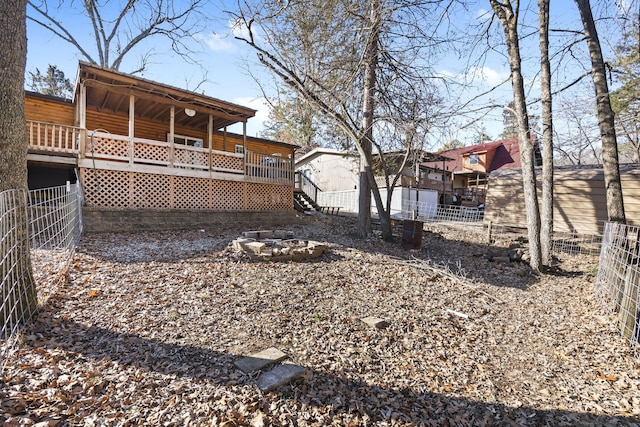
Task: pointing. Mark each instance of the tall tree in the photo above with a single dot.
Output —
(52, 83)
(606, 120)
(508, 14)
(370, 60)
(291, 120)
(119, 27)
(337, 55)
(509, 122)
(546, 215)
(18, 290)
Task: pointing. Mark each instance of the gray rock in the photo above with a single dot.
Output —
(260, 360)
(279, 375)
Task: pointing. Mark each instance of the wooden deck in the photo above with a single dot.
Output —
(54, 143)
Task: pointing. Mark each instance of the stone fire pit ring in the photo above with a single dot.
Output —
(277, 245)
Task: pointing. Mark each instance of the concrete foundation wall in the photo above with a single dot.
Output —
(102, 220)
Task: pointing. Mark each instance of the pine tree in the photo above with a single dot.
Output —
(52, 83)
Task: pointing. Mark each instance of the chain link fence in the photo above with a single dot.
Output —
(39, 231)
(618, 278)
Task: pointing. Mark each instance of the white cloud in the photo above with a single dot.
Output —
(237, 28)
(225, 40)
(486, 75)
(216, 42)
(255, 124)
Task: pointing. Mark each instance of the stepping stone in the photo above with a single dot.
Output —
(279, 375)
(260, 360)
(375, 322)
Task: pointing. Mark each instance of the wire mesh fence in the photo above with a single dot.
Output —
(618, 278)
(18, 293)
(39, 231)
(468, 224)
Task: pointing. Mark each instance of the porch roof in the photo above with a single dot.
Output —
(109, 90)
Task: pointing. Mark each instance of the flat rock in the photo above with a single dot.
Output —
(255, 247)
(239, 244)
(279, 375)
(260, 360)
(375, 322)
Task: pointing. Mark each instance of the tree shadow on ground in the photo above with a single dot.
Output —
(336, 396)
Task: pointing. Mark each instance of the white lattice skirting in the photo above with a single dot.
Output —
(125, 189)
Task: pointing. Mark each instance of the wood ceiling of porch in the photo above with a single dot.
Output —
(109, 91)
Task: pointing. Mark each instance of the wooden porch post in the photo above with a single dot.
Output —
(172, 125)
(244, 146)
(132, 106)
(82, 112)
(224, 139)
(444, 184)
(210, 138)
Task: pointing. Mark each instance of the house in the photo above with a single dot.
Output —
(330, 169)
(471, 166)
(332, 178)
(579, 198)
(150, 155)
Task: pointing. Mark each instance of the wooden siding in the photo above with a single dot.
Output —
(579, 199)
(60, 112)
(48, 110)
(481, 166)
(157, 131)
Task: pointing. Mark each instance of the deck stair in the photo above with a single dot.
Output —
(305, 193)
(303, 202)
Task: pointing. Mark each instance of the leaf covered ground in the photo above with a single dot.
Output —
(147, 327)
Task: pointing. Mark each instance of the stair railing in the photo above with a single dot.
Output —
(303, 183)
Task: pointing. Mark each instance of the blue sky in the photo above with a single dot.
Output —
(227, 78)
(220, 55)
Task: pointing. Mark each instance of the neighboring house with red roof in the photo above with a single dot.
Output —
(470, 167)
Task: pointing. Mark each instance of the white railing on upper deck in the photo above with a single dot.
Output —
(50, 137)
(264, 167)
(106, 146)
(257, 167)
(47, 137)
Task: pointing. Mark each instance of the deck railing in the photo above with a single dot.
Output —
(306, 185)
(263, 167)
(50, 137)
(260, 167)
(47, 137)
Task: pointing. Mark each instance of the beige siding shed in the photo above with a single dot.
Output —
(579, 198)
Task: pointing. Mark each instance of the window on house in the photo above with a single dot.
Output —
(186, 140)
(239, 149)
(473, 159)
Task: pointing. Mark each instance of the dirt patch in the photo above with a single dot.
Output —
(148, 327)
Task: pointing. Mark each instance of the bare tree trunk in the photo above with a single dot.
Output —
(613, 187)
(546, 231)
(18, 293)
(367, 179)
(509, 21)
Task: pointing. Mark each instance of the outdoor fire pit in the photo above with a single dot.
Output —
(277, 245)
